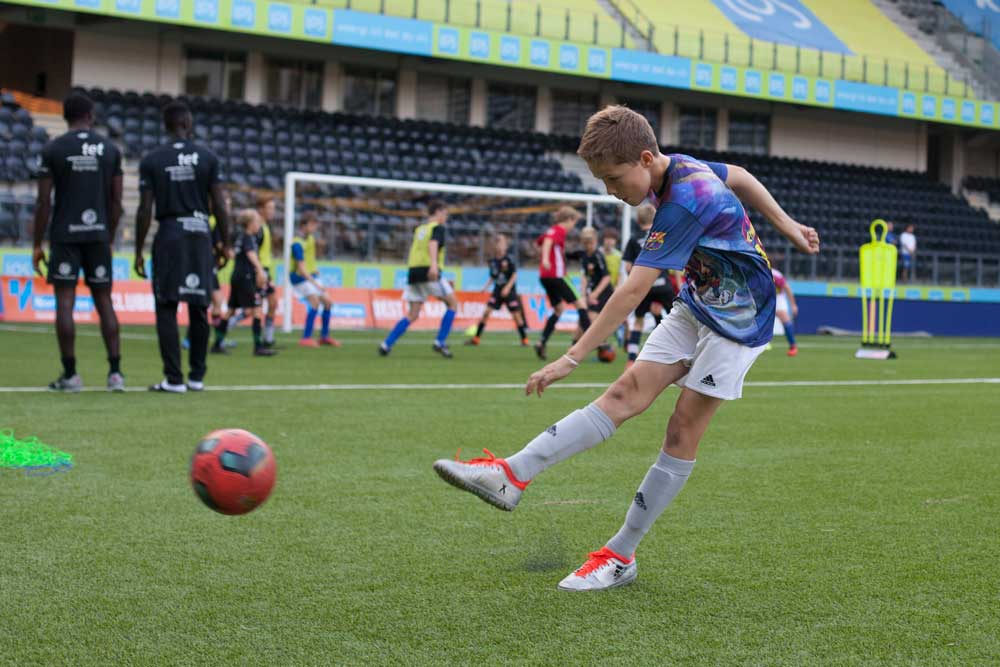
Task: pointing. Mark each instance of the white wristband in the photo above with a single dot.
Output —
(571, 360)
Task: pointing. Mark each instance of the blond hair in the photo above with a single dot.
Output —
(564, 213)
(246, 217)
(588, 234)
(618, 135)
(644, 214)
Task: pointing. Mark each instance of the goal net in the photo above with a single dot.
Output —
(366, 227)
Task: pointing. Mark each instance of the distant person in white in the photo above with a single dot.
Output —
(908, 253)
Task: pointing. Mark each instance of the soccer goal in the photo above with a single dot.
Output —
(370, 220)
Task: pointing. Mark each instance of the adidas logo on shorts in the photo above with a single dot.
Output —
(708, 381)
(551, 430)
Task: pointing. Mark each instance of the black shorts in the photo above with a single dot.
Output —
(244, 293)
(558, 291)
(66, 260)
(602, 299)
(182, 268)
(498, 301)
(268, 289)
(661, 294)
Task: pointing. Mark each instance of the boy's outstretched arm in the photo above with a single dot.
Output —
(752, 192)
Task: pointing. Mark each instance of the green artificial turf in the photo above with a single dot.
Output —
(823, 525)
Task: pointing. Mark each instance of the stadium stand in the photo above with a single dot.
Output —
(258, 144)
(21, 140)
(878, 51)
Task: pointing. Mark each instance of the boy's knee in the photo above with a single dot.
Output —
(622, 400)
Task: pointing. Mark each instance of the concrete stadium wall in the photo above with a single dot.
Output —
(125, 62)
(849, 138)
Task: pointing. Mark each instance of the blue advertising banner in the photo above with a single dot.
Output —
(866, 97)
(652, 68)
(384, 33)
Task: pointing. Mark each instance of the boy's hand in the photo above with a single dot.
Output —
(592, 300)
(432, 273)
(807, 240)
(261, 280)
(553, 372)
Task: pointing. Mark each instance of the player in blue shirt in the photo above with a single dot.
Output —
(719, 325)
(304, 277)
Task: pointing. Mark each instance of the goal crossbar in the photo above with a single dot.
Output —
(293, 178)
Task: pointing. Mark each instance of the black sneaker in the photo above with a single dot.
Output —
(66, 385)
(264, 352)
(383, 351)
(442, 350)
(165, 387)
(218, 349)
(540, 351)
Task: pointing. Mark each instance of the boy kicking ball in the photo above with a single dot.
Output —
(721, 323)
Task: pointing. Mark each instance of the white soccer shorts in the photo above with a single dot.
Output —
(781, 303)
(306, 289)
(717, 365)
(418, 292)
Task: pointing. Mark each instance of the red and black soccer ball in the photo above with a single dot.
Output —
(232, 471)
(606, 354)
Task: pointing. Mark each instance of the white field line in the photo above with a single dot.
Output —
(513, 385)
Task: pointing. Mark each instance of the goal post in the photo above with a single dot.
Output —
(498, 196)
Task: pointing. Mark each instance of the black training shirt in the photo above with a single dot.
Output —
(180, 175)
(81, 165)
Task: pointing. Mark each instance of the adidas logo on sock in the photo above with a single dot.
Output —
(708, 381)
(639, 500)
(551, 430)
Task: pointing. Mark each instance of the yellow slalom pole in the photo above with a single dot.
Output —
(892, 299)
(864, 316)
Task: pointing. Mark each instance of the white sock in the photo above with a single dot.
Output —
(662, 483)
(574, 433)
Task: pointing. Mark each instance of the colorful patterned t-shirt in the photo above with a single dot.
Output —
(702, 228)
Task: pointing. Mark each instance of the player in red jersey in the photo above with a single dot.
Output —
(785, 309)
(552, 274)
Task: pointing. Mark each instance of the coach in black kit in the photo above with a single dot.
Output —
(86, 171)
(181, 178)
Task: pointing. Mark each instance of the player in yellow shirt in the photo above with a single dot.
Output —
(266, 208)
(425, 279)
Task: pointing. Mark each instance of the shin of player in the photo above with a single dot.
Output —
(305, 282)
(503, 279)
(702, 345)
(425, 280)
(84, 169)
(181, 178)
(552, 274)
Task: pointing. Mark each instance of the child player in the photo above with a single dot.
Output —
(613, 258)
(305, 281)
(503, 277)
(787, 316)
(249, 280)
(597, 285)
(426, 264)
(706, 344)
(552, 274)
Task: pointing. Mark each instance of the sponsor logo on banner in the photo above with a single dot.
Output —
(448, 41)
(540, 53)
